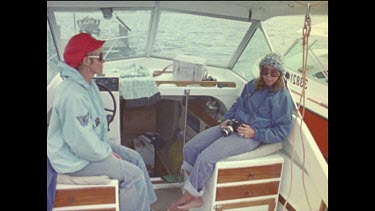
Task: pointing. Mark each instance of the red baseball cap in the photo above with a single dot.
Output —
(78, 47)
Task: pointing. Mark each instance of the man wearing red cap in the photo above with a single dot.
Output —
(77, 141)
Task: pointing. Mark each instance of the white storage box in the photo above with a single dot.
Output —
(188, 68)
(146, 150)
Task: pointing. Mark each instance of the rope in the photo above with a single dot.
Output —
(158, 72)
(305, 43)
(305, 40)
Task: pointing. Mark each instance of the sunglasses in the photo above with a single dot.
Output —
(273, 72)
(100, 57)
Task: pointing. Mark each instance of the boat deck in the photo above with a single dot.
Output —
(165, 198)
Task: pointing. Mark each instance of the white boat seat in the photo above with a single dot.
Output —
(260, 151)
(82, 180)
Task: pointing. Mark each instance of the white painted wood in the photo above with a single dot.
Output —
(297, 196)
(246, 199)
(255, 208)
(315, 163)
(117, 195)
(209, 196)
(266, 160)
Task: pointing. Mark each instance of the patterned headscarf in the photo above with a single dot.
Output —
(275, 60)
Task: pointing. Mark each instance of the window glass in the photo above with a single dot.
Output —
(215, 39)
(286, 38)
(52, 57)
(125, 32)
(282, 38)
(282, 31)
(247, 64)
(316, 69)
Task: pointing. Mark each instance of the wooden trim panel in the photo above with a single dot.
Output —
(246, 191)
(249, 173)
(323, 206)
(85, 196)
(198, 109)
(288, 206)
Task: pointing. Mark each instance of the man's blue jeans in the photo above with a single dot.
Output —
(135, 187)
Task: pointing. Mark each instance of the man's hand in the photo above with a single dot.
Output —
(114, 155)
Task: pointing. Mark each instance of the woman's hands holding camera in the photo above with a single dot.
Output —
(245, 131)
(224, 124)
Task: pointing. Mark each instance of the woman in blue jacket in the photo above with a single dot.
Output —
(265, 110)
(77, 141)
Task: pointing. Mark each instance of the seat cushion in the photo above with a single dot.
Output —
(82, 180)
(261, 150)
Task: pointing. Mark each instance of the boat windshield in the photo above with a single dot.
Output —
(52, 57)
(134, 33)
(287, 38)
(232, 44)
(317, 60)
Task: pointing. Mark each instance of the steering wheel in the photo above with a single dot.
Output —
(110, 117)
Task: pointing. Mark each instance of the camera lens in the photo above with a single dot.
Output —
(227, 130)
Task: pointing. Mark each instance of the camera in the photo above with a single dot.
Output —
(231, 127)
